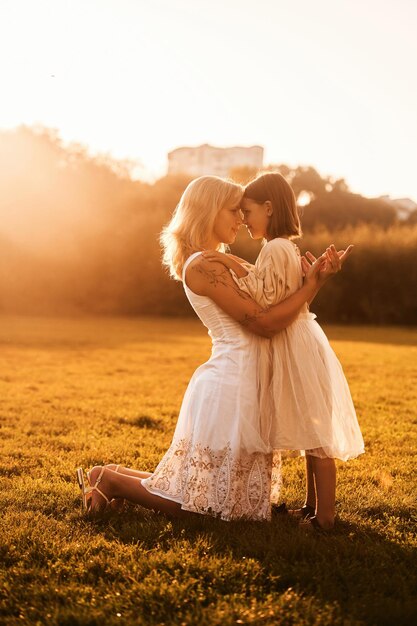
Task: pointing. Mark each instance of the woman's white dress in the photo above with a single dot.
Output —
(313, 408)
(220, 461)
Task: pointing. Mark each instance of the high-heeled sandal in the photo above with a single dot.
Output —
(87, 491)
(89, 472)
(115, 503)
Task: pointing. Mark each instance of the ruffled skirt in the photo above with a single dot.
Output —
(313, 409)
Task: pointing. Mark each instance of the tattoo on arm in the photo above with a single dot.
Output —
(249, 319)
(220, 277)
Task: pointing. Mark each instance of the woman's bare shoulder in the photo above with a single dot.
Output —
(201, 272)
(201, 265)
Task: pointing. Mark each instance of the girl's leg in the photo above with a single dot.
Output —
(324, 470)
(118, 485)
(309, 507)
(310, 484)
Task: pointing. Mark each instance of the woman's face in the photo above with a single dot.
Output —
(227, 223)
(256, 217)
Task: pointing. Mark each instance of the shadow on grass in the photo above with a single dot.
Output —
(142, 421)
(369, 576)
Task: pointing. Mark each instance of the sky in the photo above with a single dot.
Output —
(327, 83)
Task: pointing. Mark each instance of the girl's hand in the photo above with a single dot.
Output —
(313, 271)
(334, 262)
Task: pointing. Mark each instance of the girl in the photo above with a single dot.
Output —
(312, 403)
(220, 461)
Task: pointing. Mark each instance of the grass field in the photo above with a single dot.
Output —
(86, 392)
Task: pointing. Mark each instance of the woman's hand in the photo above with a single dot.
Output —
(220, 257)
(334, 260)
(228, 260)
(236, 258)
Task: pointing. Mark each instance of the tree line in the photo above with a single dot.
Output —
(79, 236)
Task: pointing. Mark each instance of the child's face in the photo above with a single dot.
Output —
(256, 217)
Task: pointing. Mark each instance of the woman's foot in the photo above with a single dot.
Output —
(99, 498)
(113, 467)
(118, 505)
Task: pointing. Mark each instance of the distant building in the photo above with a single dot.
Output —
(403, 206)
(203, 160)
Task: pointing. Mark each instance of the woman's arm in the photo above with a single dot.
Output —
(212, 279)
(268, 281)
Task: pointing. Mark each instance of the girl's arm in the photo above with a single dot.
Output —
(212, 279)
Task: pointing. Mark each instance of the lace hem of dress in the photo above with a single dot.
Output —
(222, 483)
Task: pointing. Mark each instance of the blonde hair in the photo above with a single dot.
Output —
(272, 186)
(192, 223)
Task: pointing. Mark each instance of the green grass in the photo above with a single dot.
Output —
(85, 392)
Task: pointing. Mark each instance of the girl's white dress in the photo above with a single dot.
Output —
(220, 461)
(313, 409)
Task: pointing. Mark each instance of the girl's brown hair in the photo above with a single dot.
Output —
(272, 186)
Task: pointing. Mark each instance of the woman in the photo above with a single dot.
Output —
(220, 462)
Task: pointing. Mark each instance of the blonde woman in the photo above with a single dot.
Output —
(220, 461)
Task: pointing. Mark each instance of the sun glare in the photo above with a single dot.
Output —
(138, 79)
